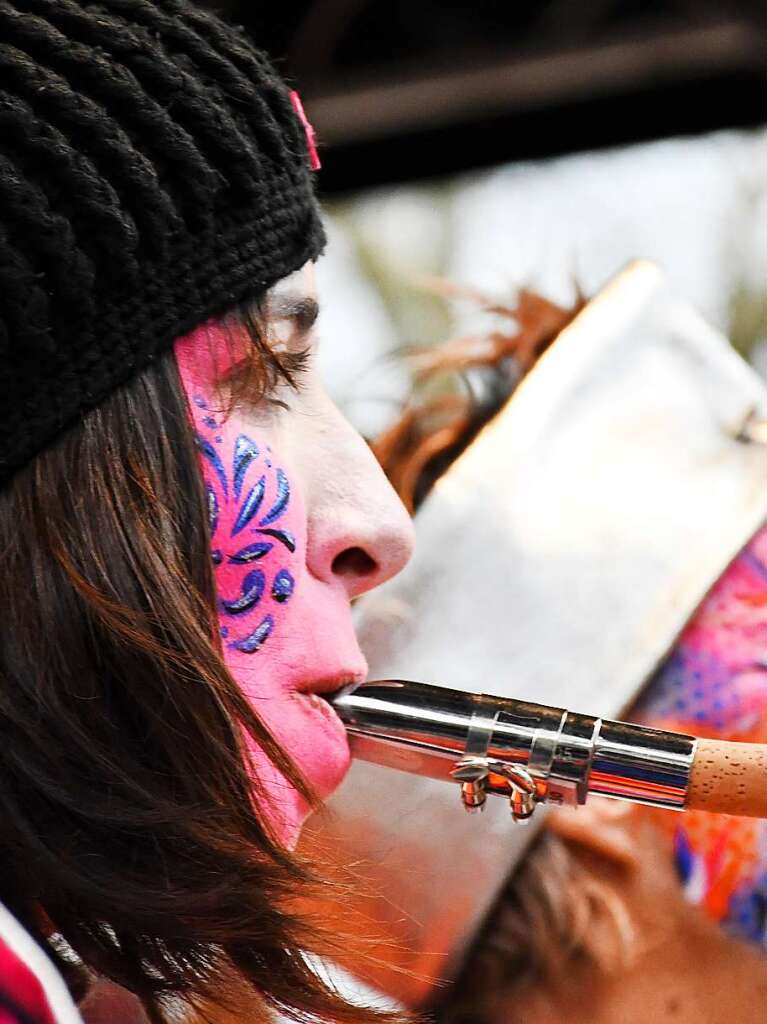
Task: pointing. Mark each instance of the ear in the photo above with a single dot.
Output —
(604, 828)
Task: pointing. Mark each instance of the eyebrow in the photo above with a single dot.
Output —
(303, 310)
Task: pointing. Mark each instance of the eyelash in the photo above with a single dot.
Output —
(288, 368)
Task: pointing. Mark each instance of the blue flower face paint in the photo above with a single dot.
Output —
(245, 496)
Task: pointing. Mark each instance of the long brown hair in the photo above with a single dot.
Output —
(129, 826)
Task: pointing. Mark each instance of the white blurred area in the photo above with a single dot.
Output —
(698, 207)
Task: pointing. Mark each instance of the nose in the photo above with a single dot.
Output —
(359, 533)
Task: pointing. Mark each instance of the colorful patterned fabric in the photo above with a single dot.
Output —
(715, 684)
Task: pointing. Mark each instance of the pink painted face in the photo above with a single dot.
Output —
(302, 520)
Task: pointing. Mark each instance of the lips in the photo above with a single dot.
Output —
(329, 684)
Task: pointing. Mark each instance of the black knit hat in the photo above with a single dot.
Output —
(153, 172)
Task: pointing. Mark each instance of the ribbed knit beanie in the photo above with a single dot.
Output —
(153, 172)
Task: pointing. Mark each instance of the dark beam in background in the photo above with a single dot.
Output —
(408, 89)
(520, 81)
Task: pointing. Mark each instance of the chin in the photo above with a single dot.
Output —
(313, 736)
(291, 821)
(288, 817)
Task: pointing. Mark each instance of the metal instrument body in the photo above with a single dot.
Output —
(527, 752)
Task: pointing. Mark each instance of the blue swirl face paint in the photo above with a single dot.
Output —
(285, 538)
(250, 506)
(255, 640)
(245, 452)
(252, 589)
(251, 553)
(213, 458)
(281, 502)
(212, 509)
(282, 587)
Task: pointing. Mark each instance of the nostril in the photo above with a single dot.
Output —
(354, 562)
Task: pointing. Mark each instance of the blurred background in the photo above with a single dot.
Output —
(539, 143)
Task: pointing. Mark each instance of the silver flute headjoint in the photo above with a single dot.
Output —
(527, 752)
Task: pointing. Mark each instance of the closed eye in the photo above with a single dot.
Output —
(302, 310)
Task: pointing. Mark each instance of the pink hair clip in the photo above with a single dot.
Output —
(311, 141)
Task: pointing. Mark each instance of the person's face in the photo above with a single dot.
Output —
(302, 521)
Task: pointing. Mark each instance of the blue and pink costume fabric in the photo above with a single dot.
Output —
(714, 684)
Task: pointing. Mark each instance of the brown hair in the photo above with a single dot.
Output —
(442, 419)
(126, 795)
(540, 929)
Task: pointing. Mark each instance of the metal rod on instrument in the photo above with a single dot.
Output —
(528, 752)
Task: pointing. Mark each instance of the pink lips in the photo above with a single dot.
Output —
(329, 684)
